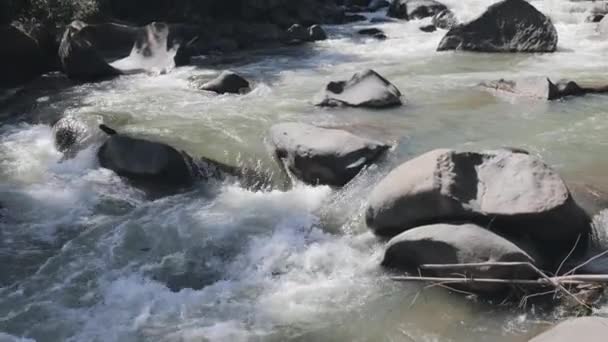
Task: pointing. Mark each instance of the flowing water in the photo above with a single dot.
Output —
(84, 256)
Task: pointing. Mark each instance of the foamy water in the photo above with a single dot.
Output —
(87, 257)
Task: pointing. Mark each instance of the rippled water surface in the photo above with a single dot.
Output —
(84, 256)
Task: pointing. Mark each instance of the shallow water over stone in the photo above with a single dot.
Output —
(84, 256)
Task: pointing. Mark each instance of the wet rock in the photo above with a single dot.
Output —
(376, 5)
(364, 89)
(541, 88)
(414, 9)
(21, 58)
(145, 161)
(370, 31)
(514, 193)
(457, 244)
(72, 134)
(595, 18)
(80, 59)
(445, 20)
(316, 33)
(318, 155)
(507, 26)
(428, 28)
(589, 329)
(227, 82)
(381, 20)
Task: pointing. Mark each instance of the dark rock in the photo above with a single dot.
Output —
(595, 18)
(414, 9)
(111, 40)
(541, 88)
(323, 156)
(457, 244)
(507, 26)
(370, 31)
(589, 329)
(297, 33)
(364, 89)
(445, 20)
(316, 32)
(21, 58)
(227, 82)
(146, 161)
(80, 59)
(381, 20)
(376, 5)
(351, 18)
(514, 193)
(428, 28)
(380, 36)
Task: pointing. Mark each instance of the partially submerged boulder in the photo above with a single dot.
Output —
(507, 26)
(316, 33)
(145, 161)
(414, 9)
(21, 58)
(80, 59)
(588, 329)
(512, 192)
(457, 244)
(428, 28)
(364, 89)
(445, 20)
(318, 155)
(227, 82)
(540, 88)
(299, 34)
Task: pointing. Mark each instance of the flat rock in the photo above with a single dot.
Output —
(457, 244)
(364, 89)
(507, 26)
(514, 192)
(318, 155)
(587, 329)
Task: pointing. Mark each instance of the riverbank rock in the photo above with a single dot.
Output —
(227, 82)
(326, 156)
(445, 20)
(588, 329)
(364, 89)
(457, 244)
(414, 9)
(80, 60)
(145, 161)
(507, 26)
(21, 58)
(540, 88)
(515, 193)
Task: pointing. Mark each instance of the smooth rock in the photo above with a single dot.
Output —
(227, 82)
(457, 244)
(514, 193)
(318, 155)
(316, 33)
(587, 329)
(364, 89)
(428, 28)
(370, 31)
(507, 26)
(414, 9)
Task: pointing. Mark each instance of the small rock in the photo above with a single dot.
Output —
(428, 28)
(414, 9)
(370, 31)
(316, 33)
(364, 89)
(227, 82)
(445, 20)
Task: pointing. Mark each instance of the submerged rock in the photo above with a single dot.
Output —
(414, 9)
(445, 20)
(541, 88)
(145, 161)
(457, 244)
(318, 155)
(316, 33)
(507, 26)
(79, 58)
(21, 58)
(372, 31)
(227, 82)
(428, 28)
(364, 89)
(512, 192)
(299, 34)
(589, 329)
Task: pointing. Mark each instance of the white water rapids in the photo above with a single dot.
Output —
(86, 257)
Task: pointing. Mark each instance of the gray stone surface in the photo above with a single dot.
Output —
(364, 89)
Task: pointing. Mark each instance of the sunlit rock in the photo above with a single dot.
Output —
(364, 89)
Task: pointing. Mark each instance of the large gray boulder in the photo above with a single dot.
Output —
(364, 89)
(318, 155)
(507, 26)
(80, 59)
(457, 244)
(587, 329)
(414, 9)
(541, 88)
(145, 161)
(510, 191)
(21, 58)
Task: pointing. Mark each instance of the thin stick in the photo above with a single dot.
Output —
(587, 262)
(569, 254)
(540, 281)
